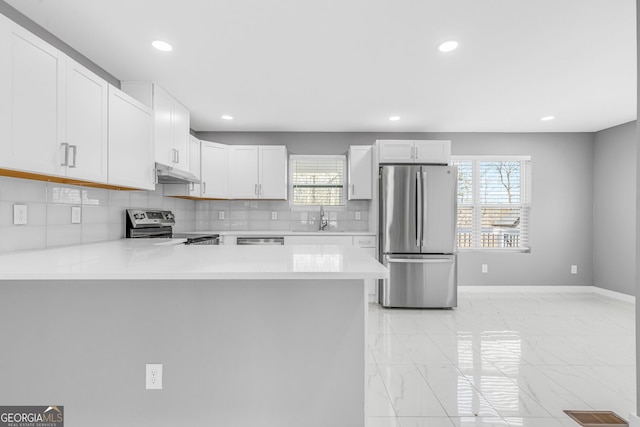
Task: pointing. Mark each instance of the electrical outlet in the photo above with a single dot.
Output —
(76, 215)
(358, 215)
(574, 269)
(19, 214)
(274, 215)
(154, 376)
(220, 214)
(485, 268)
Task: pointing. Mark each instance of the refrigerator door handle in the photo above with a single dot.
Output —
(425, 216)
(419, 261)
(419, 220)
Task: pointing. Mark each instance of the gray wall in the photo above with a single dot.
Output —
(562, 196)
(45, 35)
(614, 227)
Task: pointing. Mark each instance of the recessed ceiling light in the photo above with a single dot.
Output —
(448, 46)
(547, 118)
(160, 45)
(394, 118)
(227, 117)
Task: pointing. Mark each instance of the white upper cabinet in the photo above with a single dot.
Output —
(131, 151)
(273, 172)
(171, 123)
(244, 171)
(194, 165)
(433, 152)
(31, 93)
(54, 111)
(215, 170)
(400, 151)
(258, 172)
(86, 114)
(360, 172)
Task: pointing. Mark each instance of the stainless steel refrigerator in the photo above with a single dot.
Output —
(418, 235)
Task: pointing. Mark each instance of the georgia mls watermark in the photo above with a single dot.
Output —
(32, 416)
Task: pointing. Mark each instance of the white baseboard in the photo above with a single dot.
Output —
(634, 420)
(553, 289)
(615, 295)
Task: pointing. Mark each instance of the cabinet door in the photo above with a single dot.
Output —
(86, 123)
(371, 284)
(194, 165)
(434, 152)
(273, 172)
(360, 172)
(244, 171)
(396, 151)
(215, 170)
(181, 135)
(131, 159)
(163, 126)
(35, 84)
(6, 146)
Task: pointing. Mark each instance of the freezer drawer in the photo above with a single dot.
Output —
(420, 281)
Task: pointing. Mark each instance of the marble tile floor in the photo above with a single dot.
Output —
(501, 359)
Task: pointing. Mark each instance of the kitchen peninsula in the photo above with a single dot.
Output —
(247, 335)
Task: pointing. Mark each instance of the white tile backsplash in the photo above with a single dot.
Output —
(49, 214)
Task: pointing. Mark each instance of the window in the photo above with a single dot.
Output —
(493, 202)
(318, 180)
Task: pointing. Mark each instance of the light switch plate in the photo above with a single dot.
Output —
(220, 214)
(76, 215)
(19, 214)
(274, 215)
(358, 216)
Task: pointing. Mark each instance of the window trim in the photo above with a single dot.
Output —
(343, 202)
(525, 179)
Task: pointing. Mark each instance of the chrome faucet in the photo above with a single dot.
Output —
(323, 220)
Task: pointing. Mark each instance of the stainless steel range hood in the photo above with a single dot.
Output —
(169, 175)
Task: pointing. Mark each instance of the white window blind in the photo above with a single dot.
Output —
(493, 202)
(318, 180)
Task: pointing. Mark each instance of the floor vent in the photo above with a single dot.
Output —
(597, 418)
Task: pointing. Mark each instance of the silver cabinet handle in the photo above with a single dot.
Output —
(192, 187)
(174, 155)
(353, 189)
(204, 188)
(255, 189)
(66, 154)
(75, 154)
(177, 156)
(413, 153)
(259, 190)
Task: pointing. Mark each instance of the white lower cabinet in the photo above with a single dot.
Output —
(366, 242)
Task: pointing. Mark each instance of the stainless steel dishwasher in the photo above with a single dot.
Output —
(260, 241)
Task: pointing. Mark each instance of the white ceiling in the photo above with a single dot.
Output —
(347, 65)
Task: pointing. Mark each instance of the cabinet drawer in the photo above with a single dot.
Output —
(364, 241)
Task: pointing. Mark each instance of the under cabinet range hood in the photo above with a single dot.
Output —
(170, 175)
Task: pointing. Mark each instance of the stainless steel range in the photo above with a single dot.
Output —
(156, 223)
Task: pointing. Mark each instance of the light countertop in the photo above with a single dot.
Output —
(140, 259)
(270, 233)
